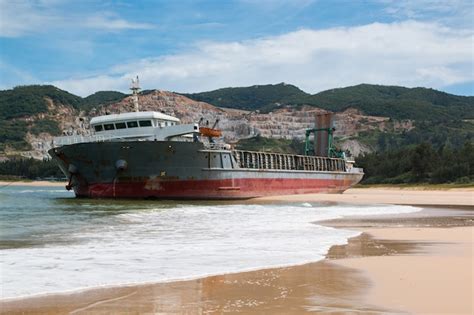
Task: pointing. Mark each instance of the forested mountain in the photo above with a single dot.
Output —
(252, 97)
(396, 102)
(377, 100)
(30, 100)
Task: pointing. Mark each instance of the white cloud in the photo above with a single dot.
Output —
(20, 17)
(408, 54)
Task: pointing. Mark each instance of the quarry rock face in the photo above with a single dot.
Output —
(285, 122)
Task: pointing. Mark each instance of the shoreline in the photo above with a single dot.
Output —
(412, 196)
(395, 196)
(326, 285)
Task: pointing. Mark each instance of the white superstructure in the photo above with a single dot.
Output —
(132, 126)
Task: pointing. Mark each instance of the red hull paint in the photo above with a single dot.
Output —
(212, 189)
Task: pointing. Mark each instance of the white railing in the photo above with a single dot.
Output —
(67, 140)
(143, 133)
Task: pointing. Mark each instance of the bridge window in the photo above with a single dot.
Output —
(120, 125)
(145, 123)
(98, 128)
(109, 127)
(132, 124)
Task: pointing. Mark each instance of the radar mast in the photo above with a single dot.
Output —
(135, 87)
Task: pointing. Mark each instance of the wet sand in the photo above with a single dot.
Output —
(403, 263)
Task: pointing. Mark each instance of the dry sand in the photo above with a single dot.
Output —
(405, 196)
(403, 263)
(435, 277)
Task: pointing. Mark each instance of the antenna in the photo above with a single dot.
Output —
(135, 87)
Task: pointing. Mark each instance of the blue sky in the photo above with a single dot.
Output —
(190, 46)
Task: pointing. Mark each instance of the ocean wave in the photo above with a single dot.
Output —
(158, 243)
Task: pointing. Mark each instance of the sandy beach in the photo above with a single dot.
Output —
(410, 263)
(400, 196)
(435, 276)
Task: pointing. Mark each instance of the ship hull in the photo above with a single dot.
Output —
(182, 170)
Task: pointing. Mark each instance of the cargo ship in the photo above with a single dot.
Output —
(146, 154)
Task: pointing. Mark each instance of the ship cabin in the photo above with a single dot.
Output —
(131, 123)
(142, 126)
(133, 126)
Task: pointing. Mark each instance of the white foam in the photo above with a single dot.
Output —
(179, 243)
(29, 191)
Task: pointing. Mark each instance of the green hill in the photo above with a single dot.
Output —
(378, 100)
(30, 100)
(102, 98)
(250, 98)
(394, 101)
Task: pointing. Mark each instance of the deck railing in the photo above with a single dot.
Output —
(67, 140)
(280, 161)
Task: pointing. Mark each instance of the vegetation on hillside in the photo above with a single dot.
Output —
(250, 98)
(45, 125)
(378, 100)
(453, 133)
(30, 100)
(101, 98)
(395, 102)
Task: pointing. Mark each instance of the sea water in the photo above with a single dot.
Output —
(51, 242)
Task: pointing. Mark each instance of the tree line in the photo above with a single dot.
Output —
(419, 164)
(30, 168)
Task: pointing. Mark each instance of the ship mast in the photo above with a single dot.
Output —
(135, 87)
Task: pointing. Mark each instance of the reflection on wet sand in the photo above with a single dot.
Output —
(311, 287)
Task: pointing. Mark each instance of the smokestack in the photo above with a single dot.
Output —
(321, 138)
